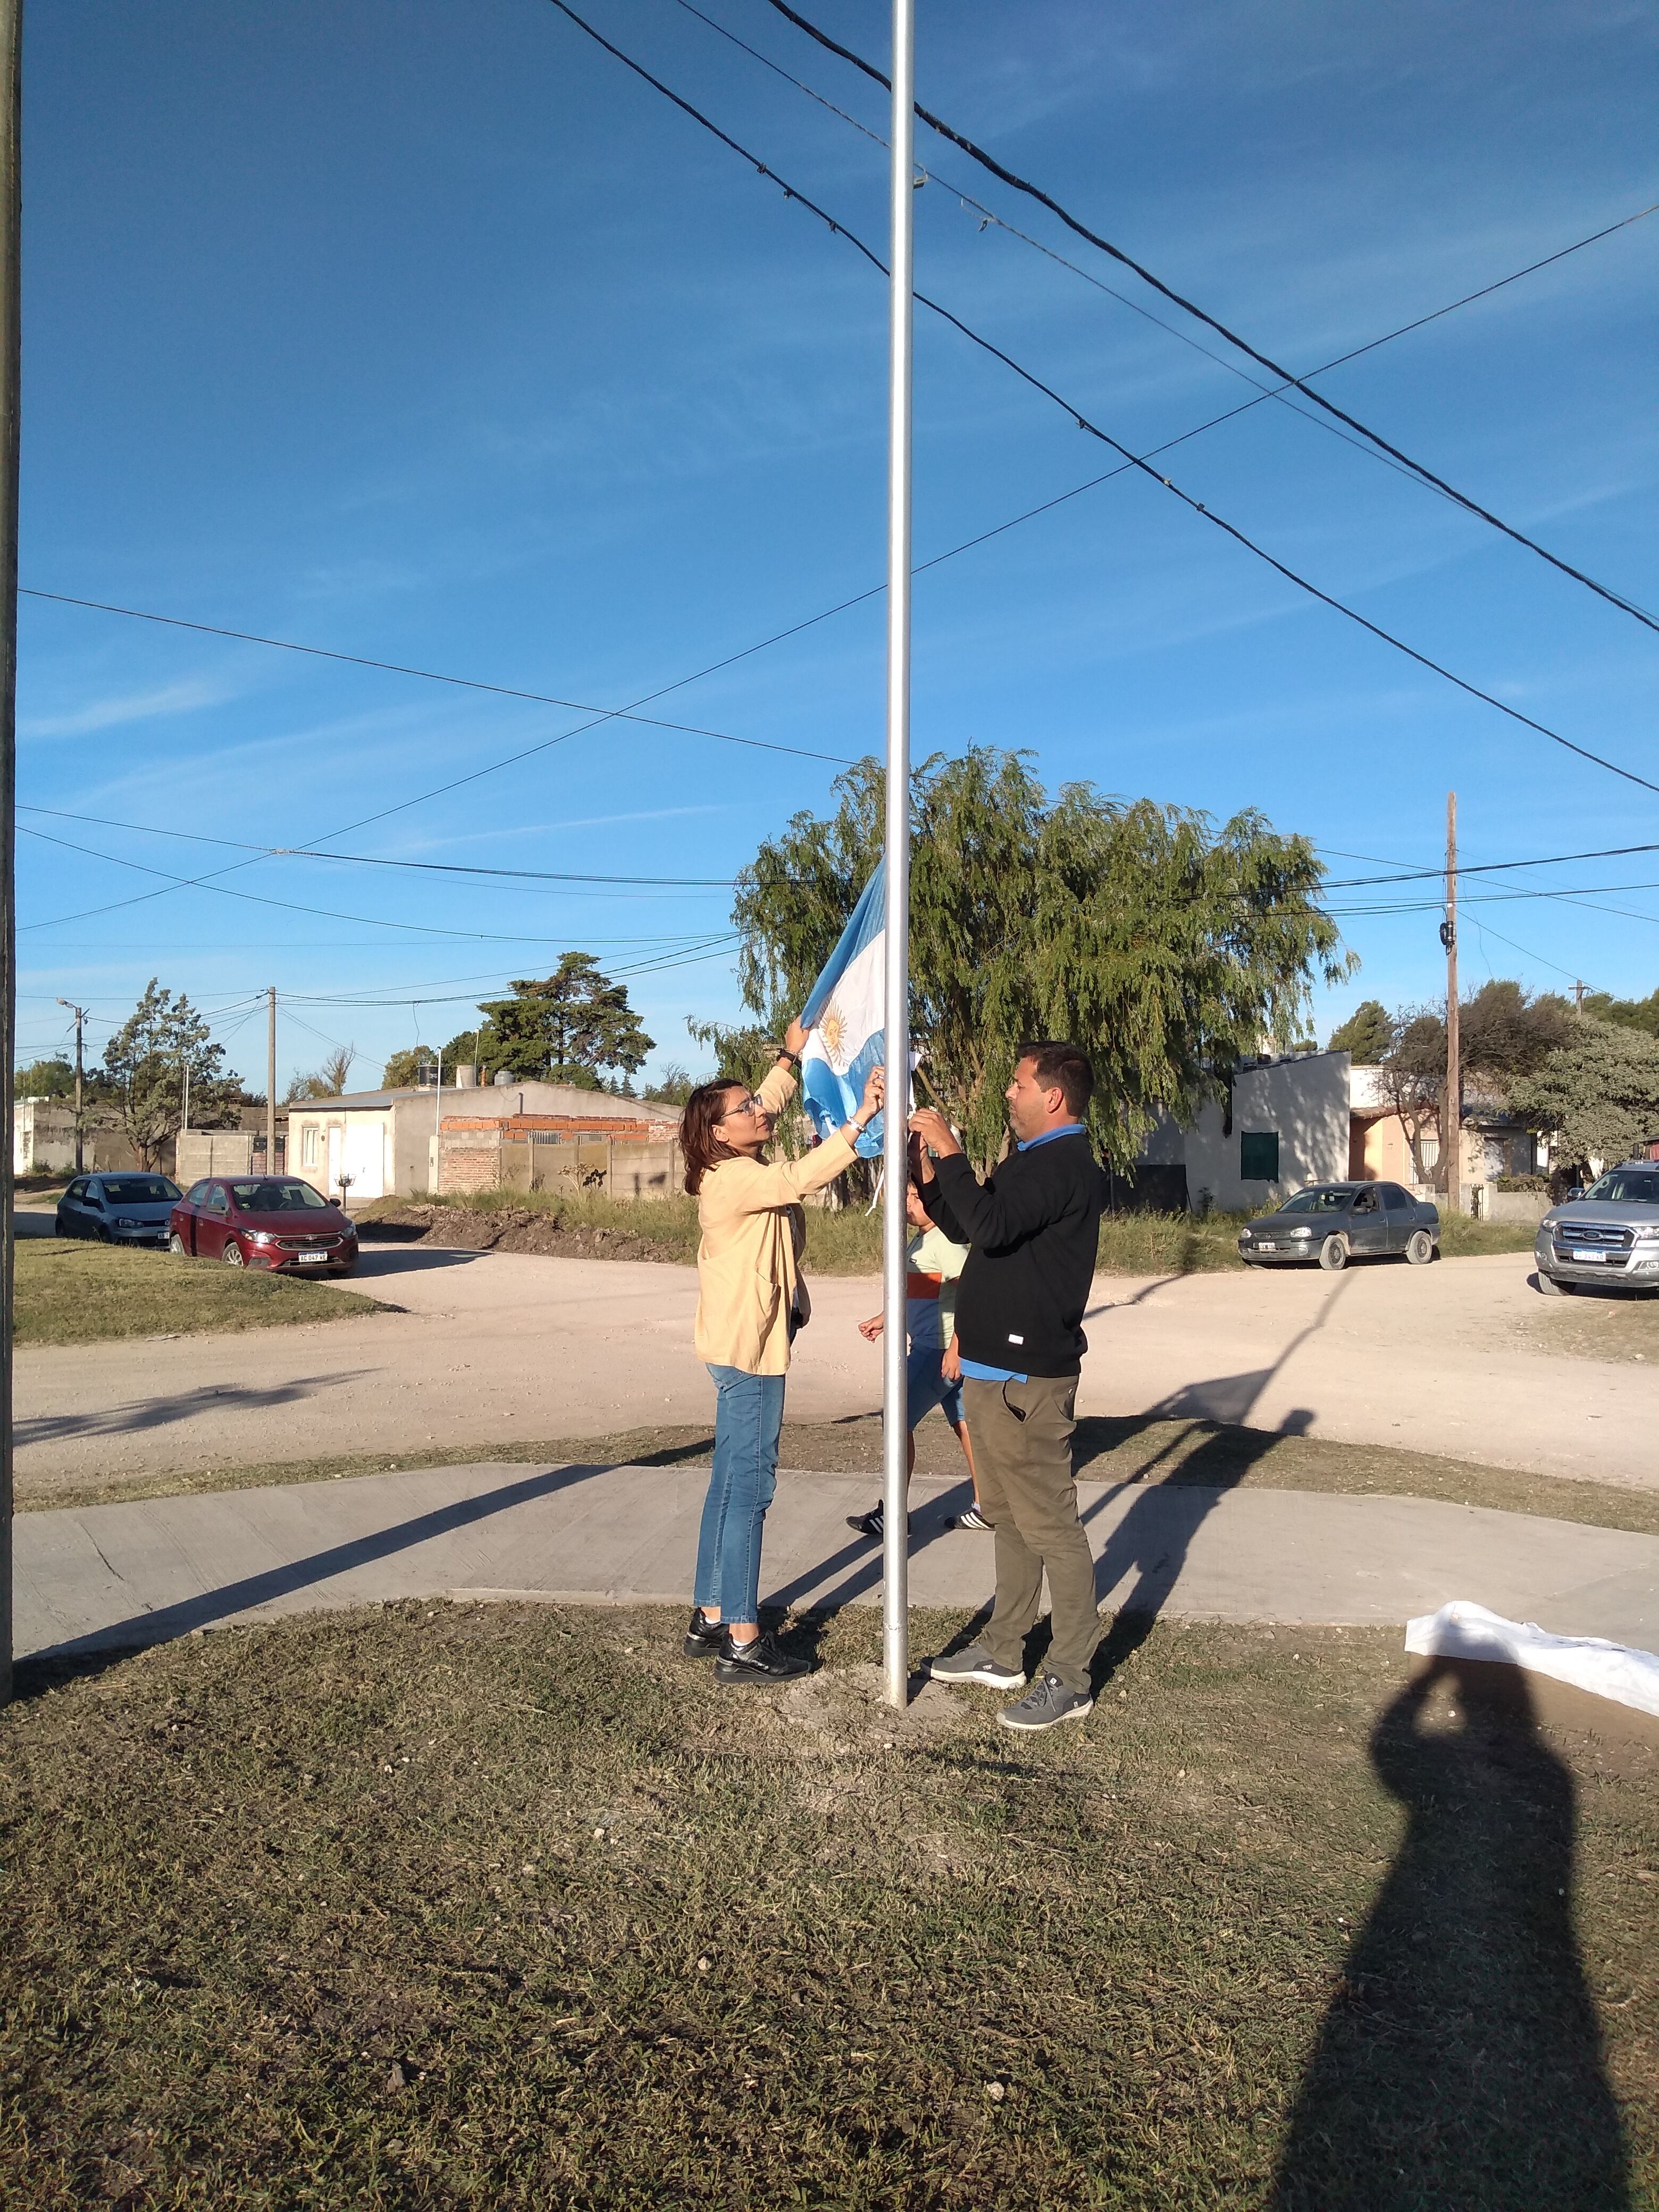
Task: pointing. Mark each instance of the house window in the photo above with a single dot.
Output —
(308, 1145)
(1258, 1156)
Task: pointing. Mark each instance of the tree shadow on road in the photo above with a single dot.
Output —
(1460, 2062)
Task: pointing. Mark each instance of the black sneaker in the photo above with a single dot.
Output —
(703, 1637)
(874, 1522)
(973, 1518)
(760, 1660)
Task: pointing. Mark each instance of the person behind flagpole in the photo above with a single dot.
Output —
(1032, 1227)
(933, 1376)
(750, 1301)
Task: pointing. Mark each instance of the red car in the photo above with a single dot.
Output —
(264, 1221)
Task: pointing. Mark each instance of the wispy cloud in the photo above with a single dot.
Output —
(547, 829)
(112, 714)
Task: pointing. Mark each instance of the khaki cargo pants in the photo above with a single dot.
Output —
(1022, 1434)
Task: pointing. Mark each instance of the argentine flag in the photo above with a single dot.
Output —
(845, 1017)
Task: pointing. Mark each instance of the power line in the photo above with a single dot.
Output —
(1131, 460)
(437, 676)
(254, 898)
(990, 216)
(1035, 191)
(744, 653)
(369, 860)
(1490, 867)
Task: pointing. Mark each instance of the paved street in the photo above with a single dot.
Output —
(113, 1576)
(495, 1346)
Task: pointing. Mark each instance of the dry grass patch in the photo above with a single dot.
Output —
(1126, 1449)
(1595, 1324)
(82, 1293)
(509, 1907)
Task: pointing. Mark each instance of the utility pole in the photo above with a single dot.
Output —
(1578, 996)
(896, 1561)
(11, 353)
(80, 1014)
(271, 1086)
(1452, 1134)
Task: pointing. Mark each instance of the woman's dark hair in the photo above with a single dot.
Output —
(700, 1118)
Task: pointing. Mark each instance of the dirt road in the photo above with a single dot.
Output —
(495, 1346)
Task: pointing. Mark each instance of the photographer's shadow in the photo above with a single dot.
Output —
(1460, 2063)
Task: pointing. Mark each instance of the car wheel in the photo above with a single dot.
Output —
(234, 1256)
(1550, 1286)
(1420, 1247)
(1333, 1253)
(176, 1246)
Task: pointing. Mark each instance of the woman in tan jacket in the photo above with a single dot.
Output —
(750, 1302)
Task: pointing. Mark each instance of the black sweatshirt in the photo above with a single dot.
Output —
(1033, 1228)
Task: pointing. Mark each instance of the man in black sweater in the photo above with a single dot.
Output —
(1032, 1227)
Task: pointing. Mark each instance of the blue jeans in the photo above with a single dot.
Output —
(748, 1416)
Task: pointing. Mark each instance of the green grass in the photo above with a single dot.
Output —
(848, 1242)
(1124, 1449)
(83, 1293)
(512, 1908)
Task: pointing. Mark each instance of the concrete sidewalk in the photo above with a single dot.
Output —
(114, 1577)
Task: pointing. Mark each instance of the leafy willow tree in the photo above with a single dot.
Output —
(565, 1028)
(1598, 1094)
(145, 1065)
(1168, 947)
(1368, 1033)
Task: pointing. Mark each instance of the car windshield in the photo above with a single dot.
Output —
(277, 1197)
(1326, 1200)
(139, 1190)
(1628, 1186)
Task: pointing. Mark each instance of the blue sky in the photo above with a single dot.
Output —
(428, 334)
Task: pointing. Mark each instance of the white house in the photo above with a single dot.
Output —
(1285, 1122)
(386, 1143)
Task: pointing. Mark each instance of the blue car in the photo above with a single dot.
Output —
(119, 1209)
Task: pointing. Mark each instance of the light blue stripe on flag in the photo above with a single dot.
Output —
(845, 1017)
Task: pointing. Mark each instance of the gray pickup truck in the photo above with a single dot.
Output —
(1609, 1234)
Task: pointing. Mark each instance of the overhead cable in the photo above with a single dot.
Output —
(1132, 460)
(990, 217)
(1035, 191)
(1491, 867)
(437, 676)
(373, 860)
(254, 898)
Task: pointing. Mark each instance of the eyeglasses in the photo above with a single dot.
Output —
(744, 1106)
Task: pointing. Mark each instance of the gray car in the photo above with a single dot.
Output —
(1610, 1234)
(1335, 1222)
(119, 1209)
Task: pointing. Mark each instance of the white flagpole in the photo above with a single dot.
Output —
(896, 1595)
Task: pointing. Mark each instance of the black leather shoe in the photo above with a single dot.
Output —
(703, 1637)
(760, 1660)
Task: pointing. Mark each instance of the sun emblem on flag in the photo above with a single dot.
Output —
(832, 1028)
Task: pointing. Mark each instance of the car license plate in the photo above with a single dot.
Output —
(1267, 1245)
(310, 1259)
(1599, 1258)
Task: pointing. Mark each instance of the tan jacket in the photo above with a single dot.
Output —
(748, 1262)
